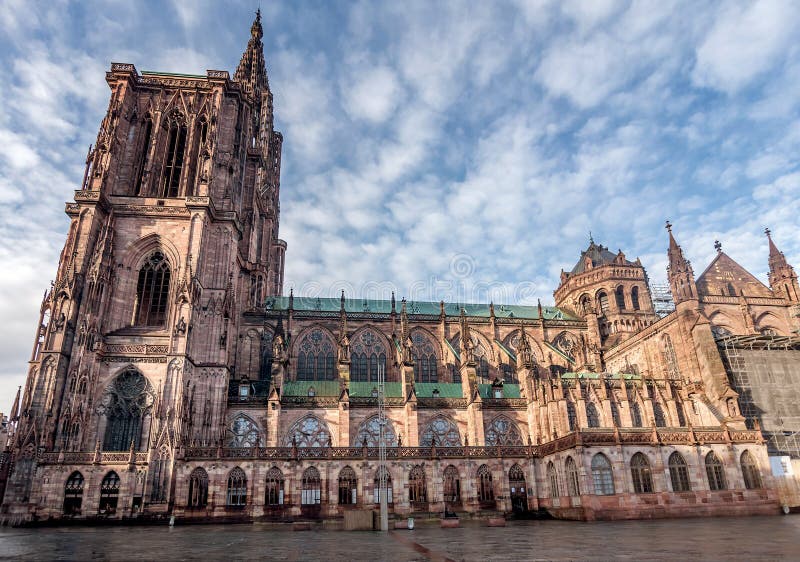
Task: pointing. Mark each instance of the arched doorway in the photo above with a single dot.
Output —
(518, 489)
(311, 493)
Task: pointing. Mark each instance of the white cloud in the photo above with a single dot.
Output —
(373, 94)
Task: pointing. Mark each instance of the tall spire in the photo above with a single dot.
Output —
(679, 272)
(782, 277)
(251, 72)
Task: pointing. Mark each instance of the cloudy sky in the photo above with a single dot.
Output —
(457, 150)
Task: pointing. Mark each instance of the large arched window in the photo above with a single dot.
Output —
(602, 302)
(369, 433)
(452, 485)
(348, 487)
(127, 405)
(425, 368)
(417, 488)
(485, 487)
(503, 431)
(311, 491)
(109, 494)
(152, 292)
(602, 475)
(592, 416)
(636, 415)
(367, 354)
(147, 127)
(173, 159)
(679, 473)
(641, 475)
(73, 494)
(518, 489)
(715, 472)
(572, 416)
(315, 357)
(244, 432)
(308, 432)
(619, 296)
(237, 488)
(750, 472)
(552, 479)
(442, 432)
(198, 488)
(387, 485)
(635, 298)
(573, 479)
(273, 494)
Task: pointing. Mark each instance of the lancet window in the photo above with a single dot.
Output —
(348, 487)
(244, 432)
(452, 485)
(308, 432)
(442, 432)
(127, 405)
(367, 355)
(152, 291)
(679, 473)
(425, 365)
(485, 487)
(641, 474)
(174, 157)
(237, 488)
(198, 488)
(315, 357)
(274, 487)
(602, 475)
(370, 433)
(503, 431)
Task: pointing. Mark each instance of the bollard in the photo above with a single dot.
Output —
(410, 523)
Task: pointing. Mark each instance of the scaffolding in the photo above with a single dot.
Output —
(662, 299)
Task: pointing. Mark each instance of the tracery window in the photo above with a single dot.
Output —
(442, 432)
(310, 493)
(635, 297)
(636, 415)
(173, 161)
(573, 479)
(198, 488)
(73, 494)
(370, 433)
(679, 473)
(502, 431)
(602, 299)
(480, 355)
(274, 487)
(308, 432)
(592, 416)
(348, 487)
(485, 488)
(619, 295)
(237, 488)
(152, 292)
(159, 476)
(452, 485)
(715, 472)
(126, 404)
(367, 354)
(244, 432)
(641, 474)
(567, 344)
(425, 367)
(572, 415)
(315, 357)
(602, 475)
(417, 488)
(552, 478)
(658, 414)
(109, 494)
(387, 485)
(750, 472)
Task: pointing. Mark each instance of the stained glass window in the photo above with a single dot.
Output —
(152, 291)
(602, 475)
(244, 432)
(441, 431)
(750, 472)
(312, 487)
(370, 432)
(315, 357)
(126, 403)
(679, 473)
(308, 432)
(367, 353)
(425, 366)
(552, 478)
(502, 431)
(641, 474)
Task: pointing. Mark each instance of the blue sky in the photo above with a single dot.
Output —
(457, 150)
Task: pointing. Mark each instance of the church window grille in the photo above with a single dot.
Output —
(502, 431)
(679, 473)
(311, 491)
(619, 296)
(348, 487)
(602, 299)
(442, 432)
(641, 474)
(109, 494)
(602, 475)
(198, 488)
(552, 478)
(126, 404)
(636, 415)
(635, 298)
(572, 416)
(715, 472)
(152, 291)
(452, 485)
(73, 494)
(308, 432)
(425, 367)
(274, 487)
(592, 416)
(750, 472)
(573, 479)
(485, 487)
(173, 162)
(417, 488)
(244, 432)
(367, 354)
(237, 488)
(377, 485)
(315, 359)
(370, 433)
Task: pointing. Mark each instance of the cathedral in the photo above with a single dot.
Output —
(171, 376)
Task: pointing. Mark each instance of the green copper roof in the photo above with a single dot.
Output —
(332, 388)
(509, 391)
(351, 305)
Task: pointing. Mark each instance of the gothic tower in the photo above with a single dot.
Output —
(782, 278)
(679, 272)
(173, 236)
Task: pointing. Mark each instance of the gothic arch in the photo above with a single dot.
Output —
(511, 341)
(434, 340)
(244, 431)
(136, 252)
(315, 351)
(308, 431)
(769, 320)
(369, 430)
(126, 408)
(503, 431)
(442, 431)
(567, 343)
(369, 349)
(427, 356)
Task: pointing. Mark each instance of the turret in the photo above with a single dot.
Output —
(782, 277)
(679, 272)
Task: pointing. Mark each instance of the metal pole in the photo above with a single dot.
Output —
(382, 491)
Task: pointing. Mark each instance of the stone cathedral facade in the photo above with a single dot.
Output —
(170, 375)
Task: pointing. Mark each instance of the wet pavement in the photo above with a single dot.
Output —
(747, 538)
